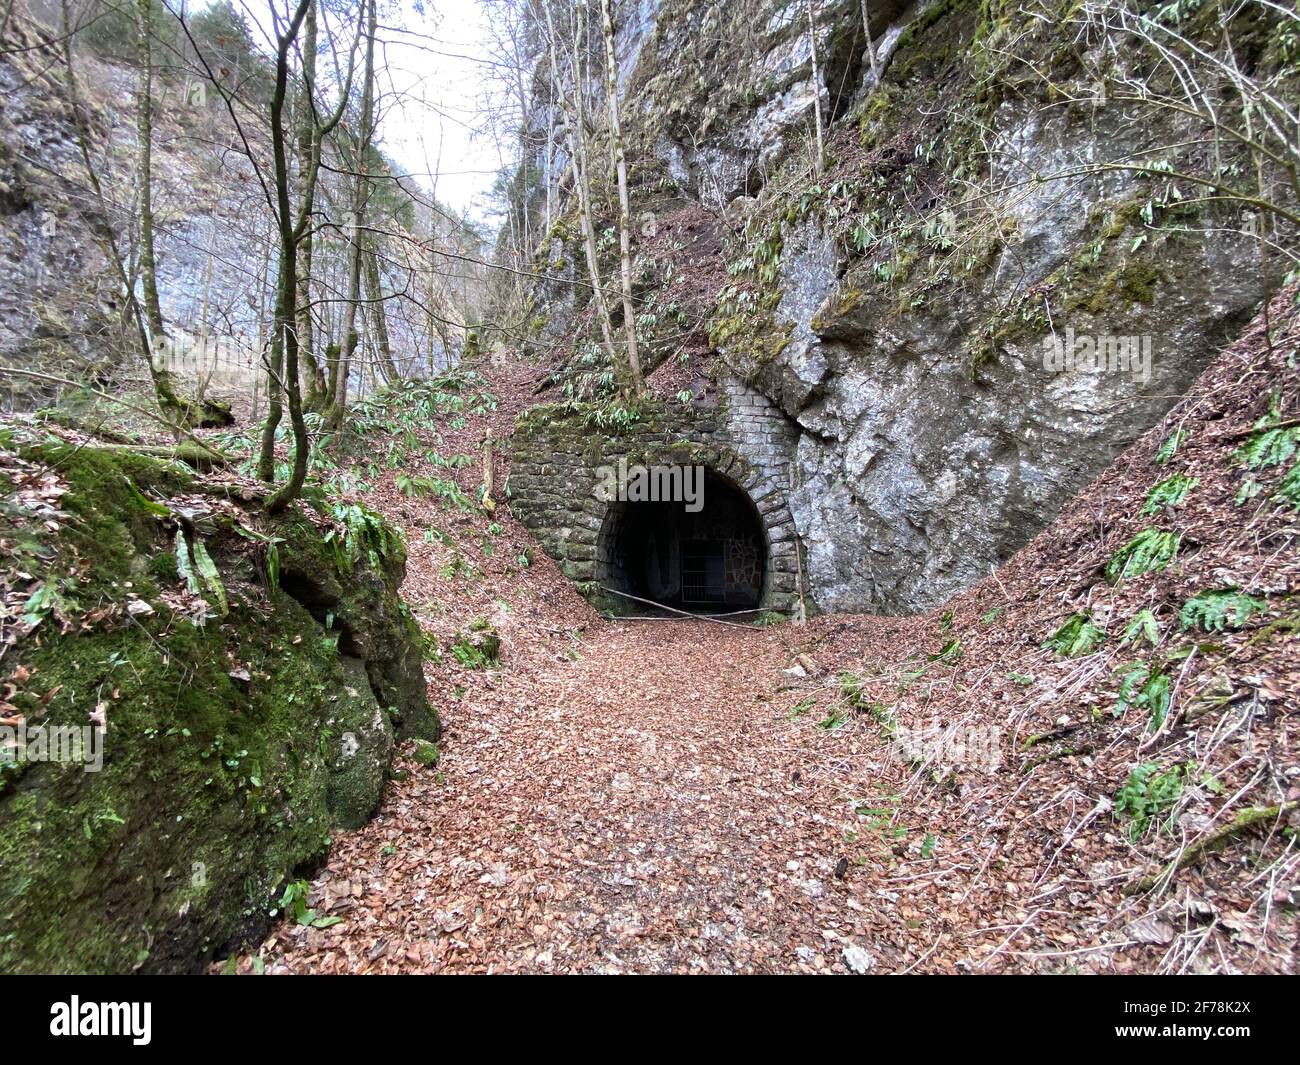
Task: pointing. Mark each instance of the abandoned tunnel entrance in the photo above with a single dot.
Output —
(710, 558)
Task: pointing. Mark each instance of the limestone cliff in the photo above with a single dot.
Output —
(897, 302)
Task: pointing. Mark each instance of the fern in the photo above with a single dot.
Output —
(183, 564)
(1078, 636)
(1216, 609)
(949, 653)
(1249, 489)
(1288, 489)
(1147, 794)
(200, 573)
(210, 576)
(360, 530)
(1270, 444)
(1171, 445)
(271, 548)
(1146, 689)
(1169, 493)
(1143, 627)
(1149, 551)
(1269, 447)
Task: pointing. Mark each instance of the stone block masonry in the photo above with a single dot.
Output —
(556, 457)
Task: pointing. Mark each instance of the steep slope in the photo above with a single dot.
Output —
(1136, 665)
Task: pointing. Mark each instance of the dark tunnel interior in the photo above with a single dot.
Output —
(709, 561)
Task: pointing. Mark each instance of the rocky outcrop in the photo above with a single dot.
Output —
(903, 307)
(245, 681)
(55, 316)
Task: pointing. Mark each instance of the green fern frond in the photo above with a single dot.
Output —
(1171, 445)
(1169, 493)
(1149, 551)
(1288, 489)
(1216, 609)
(1078, 636)
(1143, 627)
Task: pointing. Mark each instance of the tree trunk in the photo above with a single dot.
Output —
(378, 317)
(624, 209)
(817, 87)
(575, 134)
(871, 46)
(308, 149)
(144, 134)
(285, 337)
(360, 193)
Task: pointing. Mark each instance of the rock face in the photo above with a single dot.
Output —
(241, 721)
(903, 311)
(46, 231)
(61, 296)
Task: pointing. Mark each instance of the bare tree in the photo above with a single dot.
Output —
(144, 134)
(624, 210)
(817, 85)
(574, 129)
(338, 394)
(178, 411)
(291, 227)
(872, 59)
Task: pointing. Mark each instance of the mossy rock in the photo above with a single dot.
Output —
(360, 739)
(224, 764)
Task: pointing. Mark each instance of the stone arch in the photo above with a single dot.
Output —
(556, 471)
(743, 534)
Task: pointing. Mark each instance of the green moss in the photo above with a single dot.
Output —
(1133, 281)
(750, 338)
(220, 772)
(848, 298)
(916, 35)
(1137, 281)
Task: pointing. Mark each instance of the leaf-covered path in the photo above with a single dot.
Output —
(644, 808)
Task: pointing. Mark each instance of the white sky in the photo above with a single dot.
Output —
(442, 86)
(434, 87)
